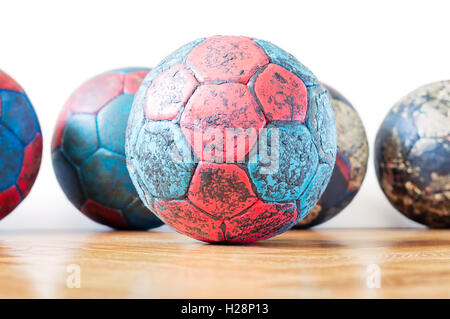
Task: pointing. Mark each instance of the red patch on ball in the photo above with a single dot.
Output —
(223, 190)
(213, 113)
(168, 93)
(226, 58)
(104, 215)
(282, 94)
(188, 219)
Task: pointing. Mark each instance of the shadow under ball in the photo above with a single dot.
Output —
(412, 155)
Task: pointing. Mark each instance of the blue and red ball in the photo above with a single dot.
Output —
(20, 145)
(222, 190)
(88, 151)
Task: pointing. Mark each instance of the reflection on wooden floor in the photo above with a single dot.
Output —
(297, 264)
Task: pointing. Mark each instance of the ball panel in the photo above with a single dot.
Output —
(139, 217)
(163, 160)
(213, 114)
(80, 138)
(322, 123)
(226, 58)
(67, 176)
(133, 80)
(8, 83)
(9, 199)
(168, 93)
(112, 123)
(283, 95)
(293, 162)
(106, 180)
(261, 221)
(18, 115)
(12, 153)
(190, 221)
(221, 190)
(30, 165)
(288, 61)
(315, 189)
(104, 215)
(96, 93)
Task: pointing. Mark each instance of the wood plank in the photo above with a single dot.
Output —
(413, 263)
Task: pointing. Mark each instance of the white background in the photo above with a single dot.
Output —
(373, 52)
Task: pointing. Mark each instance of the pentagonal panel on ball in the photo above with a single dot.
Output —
(18, 115)
(112, 123)
(162, 160)
(287, 60)
(221, 190)
(168, 92)
(96, 93)
(106, 180)
(261, 221)
(226, 58)
(221, 122)
(189, 220)
(80, 137)
(284, 165)
(282, 94)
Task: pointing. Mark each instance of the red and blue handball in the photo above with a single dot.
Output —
(20, 145)
(88, 151)
(231, 139)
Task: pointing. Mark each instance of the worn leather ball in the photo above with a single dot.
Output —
(231, 139)
(412, 155)
(20, 145)
(88, 151)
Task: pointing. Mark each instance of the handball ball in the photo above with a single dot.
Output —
(412, 155)
(231, 139)
(88, 151)
(351, 163)
(20, 145)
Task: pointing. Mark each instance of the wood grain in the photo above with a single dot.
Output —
(297, 264)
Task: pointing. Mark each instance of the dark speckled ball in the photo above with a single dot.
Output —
(412, 155)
